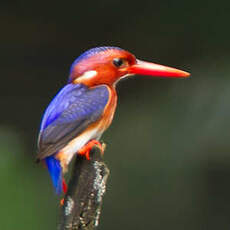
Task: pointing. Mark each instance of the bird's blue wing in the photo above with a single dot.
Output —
(73, 109)
(61, 102)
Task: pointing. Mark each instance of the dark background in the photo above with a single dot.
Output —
(168, 148)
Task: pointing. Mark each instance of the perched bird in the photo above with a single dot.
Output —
(84, 108)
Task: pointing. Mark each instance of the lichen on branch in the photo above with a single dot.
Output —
(83, 200)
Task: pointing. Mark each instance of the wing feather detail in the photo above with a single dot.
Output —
(73, 109)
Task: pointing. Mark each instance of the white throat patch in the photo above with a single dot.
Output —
(87, 75)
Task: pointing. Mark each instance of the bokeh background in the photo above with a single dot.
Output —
(168, 148)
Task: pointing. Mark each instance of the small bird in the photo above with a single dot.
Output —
(84, 108)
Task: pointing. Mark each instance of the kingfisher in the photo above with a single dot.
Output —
(83, 109)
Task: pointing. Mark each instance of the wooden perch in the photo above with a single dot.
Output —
(83, 200)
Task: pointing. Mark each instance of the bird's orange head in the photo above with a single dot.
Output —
(107, 65)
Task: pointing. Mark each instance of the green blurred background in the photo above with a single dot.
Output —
(168, 148)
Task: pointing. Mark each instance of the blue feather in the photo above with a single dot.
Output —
(55, 171)
(73, 109)
(61, 101)
(75, 102)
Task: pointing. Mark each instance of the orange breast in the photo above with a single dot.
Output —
(109, 111)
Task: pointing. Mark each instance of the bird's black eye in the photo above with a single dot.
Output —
(118, 62)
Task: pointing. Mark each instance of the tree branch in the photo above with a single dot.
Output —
(83, 200)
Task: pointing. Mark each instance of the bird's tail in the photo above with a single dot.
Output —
(55, 171)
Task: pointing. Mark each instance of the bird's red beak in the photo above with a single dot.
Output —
(151, 69)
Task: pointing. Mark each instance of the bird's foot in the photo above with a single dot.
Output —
(85, 150)
(64, 188)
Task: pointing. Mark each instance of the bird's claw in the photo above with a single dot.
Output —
(62, 201)
(64, 188)
(85, 150)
